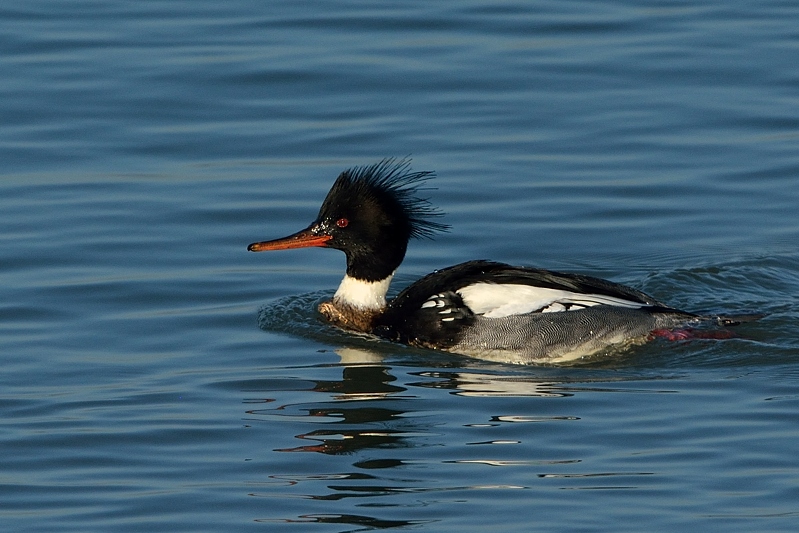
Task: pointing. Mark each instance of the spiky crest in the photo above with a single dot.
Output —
(392, 184)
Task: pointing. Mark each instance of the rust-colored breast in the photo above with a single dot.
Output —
(348, 317)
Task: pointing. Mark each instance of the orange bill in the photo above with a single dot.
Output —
(301, 239)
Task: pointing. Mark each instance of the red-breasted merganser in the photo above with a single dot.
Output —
(483, 309)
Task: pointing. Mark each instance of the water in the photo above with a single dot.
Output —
(157, 377)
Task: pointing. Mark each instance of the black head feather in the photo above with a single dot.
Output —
(392, 186)
(372, 211)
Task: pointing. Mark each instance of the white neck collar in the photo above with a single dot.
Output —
(363, 294)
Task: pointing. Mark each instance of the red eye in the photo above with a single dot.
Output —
(342, 223)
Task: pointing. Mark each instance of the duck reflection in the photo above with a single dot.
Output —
(494, 385)
(368, 426)
(369, 410)
(361, 381)
(366, 405)
(354, 520)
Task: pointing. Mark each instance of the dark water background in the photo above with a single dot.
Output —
(157, 377)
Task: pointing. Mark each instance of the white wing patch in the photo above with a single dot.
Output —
(494, 300)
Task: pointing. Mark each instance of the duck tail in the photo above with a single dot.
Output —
(731, 320)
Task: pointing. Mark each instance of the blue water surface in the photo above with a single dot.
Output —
(158, 377)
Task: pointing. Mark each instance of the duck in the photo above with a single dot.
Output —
(483, 309)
